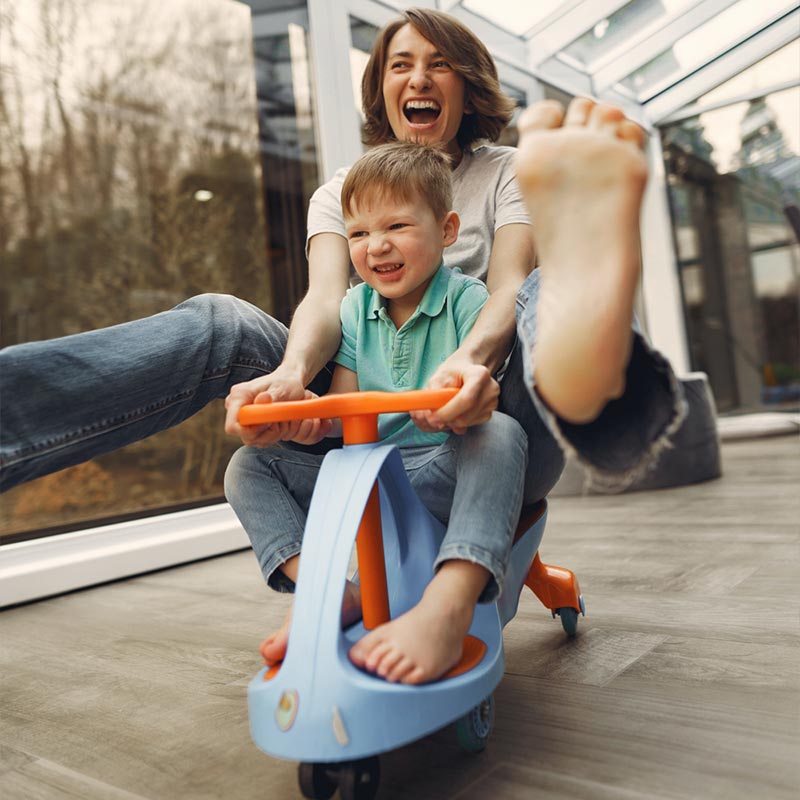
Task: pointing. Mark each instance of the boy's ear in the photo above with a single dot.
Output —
(450, 228)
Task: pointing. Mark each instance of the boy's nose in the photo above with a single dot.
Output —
(377, 244)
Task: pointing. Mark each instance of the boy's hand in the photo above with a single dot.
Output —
(276, 387)
(474, 403)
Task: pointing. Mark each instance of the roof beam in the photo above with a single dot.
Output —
(750, 51)
(568, 27)
(653, 40)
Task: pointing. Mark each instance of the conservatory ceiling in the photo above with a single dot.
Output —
(653, 56)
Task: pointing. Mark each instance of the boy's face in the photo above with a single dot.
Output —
(396, 248)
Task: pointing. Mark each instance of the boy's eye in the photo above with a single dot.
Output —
(396, 226)
(358, 234)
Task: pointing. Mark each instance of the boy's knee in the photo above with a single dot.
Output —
(233, 472)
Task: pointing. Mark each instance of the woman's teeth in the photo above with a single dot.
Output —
(421, 111)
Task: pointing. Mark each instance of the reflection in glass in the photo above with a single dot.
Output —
(734, 185)
(130, 181)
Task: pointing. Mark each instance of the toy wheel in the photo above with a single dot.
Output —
(569, 620)
(358, 780)
(474, 728)
(316, 781)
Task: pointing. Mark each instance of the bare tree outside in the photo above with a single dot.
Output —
(129, 181)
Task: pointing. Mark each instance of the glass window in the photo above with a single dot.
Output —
(734, 183)
(132, 180)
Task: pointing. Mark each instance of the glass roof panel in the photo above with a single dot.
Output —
(700, 46)
(621, 26)
(515, 16)
(782, 65)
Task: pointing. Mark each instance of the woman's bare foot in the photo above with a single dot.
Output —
(273, 648)
(582, 176)
(425, 642)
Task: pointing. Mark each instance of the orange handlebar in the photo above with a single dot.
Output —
(345, 405)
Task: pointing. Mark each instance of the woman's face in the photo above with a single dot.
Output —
(423, 95)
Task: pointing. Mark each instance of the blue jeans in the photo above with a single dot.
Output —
(67, 400)
(471, 483)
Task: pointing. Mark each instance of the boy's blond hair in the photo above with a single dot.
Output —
(403, 172)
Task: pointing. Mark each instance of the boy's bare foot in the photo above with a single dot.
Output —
(582, 176)
(425, 642)
(273, 648)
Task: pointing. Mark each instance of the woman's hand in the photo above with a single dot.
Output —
(276, 387)
(474, 403)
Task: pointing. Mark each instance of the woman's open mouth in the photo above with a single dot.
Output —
(421, 112)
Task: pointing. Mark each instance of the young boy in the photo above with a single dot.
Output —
(407, 316)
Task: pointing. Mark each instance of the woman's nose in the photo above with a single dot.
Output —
(419, 77)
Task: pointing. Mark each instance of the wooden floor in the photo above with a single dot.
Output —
(682, 683)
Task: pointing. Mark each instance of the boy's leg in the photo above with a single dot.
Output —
(270, 491)
(476, 480)
(583, 176)
(67, 400)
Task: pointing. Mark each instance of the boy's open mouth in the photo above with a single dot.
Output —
(421, 112)
(386, 269)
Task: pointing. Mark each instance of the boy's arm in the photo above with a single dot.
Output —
(487, 345)
(313, 338)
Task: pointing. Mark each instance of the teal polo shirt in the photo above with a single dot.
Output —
(390, 360)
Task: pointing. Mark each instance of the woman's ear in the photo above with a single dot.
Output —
(450, 226)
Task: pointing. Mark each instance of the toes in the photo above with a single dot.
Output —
(389, 664)
(578, 111)
(415, 676)
(605, 118)
(631, 132)
(400, 670)
(376, 655)
(544, 115)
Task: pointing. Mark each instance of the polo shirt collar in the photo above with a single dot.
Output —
(432, 301)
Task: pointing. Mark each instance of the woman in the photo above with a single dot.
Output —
(428, 78)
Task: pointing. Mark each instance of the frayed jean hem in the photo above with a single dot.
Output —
(482, 557)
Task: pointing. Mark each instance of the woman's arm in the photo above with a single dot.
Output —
(487, 345)
(313, 339)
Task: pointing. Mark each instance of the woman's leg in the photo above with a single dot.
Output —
(70, 399)
(624, 441)
(607, 397)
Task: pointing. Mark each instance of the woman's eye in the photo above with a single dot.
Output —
(398, 65)
(440, 64)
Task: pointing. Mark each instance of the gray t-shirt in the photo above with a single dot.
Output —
(485, 196)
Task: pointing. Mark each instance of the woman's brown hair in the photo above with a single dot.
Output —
(491, 109)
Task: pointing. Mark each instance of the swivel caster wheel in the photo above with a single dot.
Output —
(569, 617)
(317, 781)
(474, 728)
(358, 780)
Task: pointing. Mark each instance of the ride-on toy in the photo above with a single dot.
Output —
(317, 707)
